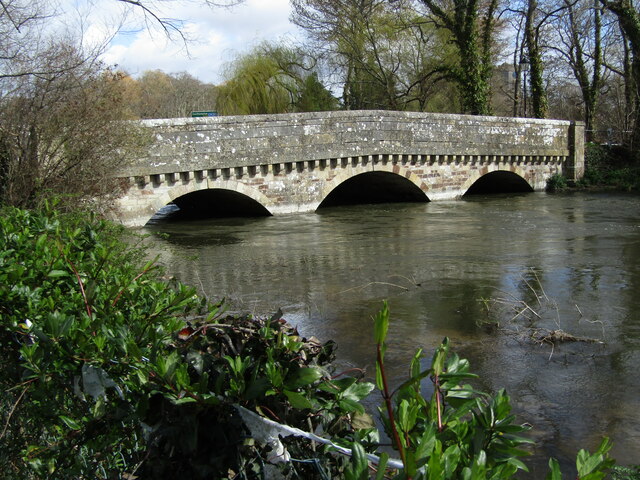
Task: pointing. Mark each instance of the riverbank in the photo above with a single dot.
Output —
(609, 168)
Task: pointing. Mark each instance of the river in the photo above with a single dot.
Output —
(494, 273)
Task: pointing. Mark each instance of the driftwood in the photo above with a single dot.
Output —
(560, 336)
(524, 317)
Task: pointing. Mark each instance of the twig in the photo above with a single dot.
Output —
(13, 408)
(532, 290)
(555, 305)
(539, 284)
(412, 280)
(362, 287)
(532, 310)
(204, 293)
(80, 283)
(595, 321)
(132, 476)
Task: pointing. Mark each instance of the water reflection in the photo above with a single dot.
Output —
(574, 259)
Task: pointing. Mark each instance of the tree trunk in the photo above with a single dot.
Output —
(629, 20)
(473, 37)
(539, 101)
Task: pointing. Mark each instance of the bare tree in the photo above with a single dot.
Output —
(581, 45)
(62, 113)
(58, 106)
(629, 20)
(384, 53)
(61, 132)
(156, 94)
(171, 26)
(337, 28)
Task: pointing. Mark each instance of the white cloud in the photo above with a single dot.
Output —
(216, 36)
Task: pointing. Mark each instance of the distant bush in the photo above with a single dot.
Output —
(610, 166)
(556, 183)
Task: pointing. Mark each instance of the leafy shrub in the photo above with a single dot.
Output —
(556, 183)
(626, 473)
(610, 166)
(108, 368)
(459, 432)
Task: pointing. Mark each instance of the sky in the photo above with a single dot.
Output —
(216, 35)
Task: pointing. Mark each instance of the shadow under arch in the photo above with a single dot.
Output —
(231, 200)
(371, 187)
(497, 181)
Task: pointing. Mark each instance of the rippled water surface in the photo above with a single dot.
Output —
(495, 274)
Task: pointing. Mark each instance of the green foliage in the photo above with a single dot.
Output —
(556, 183)
(590, 466)
(314, 96)
(609, 166)
(456, 433)
(273, 79)
(107, 368)
(619, 472)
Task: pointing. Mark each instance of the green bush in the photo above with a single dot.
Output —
(610, 166)
(556, 183)
(459, 433)
(109, 370)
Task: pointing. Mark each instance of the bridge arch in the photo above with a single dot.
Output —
(514, 172)
(175, 192)
(392, 175)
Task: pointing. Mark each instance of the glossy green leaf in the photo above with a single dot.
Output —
(381, 324)
(554, 470)
(58, 273)
(302, 377)
(70, 422)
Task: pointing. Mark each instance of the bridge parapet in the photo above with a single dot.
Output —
(253, 140)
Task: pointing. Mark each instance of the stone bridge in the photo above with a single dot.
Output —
(295, 162)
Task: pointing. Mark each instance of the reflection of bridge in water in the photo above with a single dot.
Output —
(273, 164)
(322, 258)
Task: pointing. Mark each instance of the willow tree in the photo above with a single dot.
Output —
(254, 84)
(472, 25)
(272, 79)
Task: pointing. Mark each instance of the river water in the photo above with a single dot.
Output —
(495, 274)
